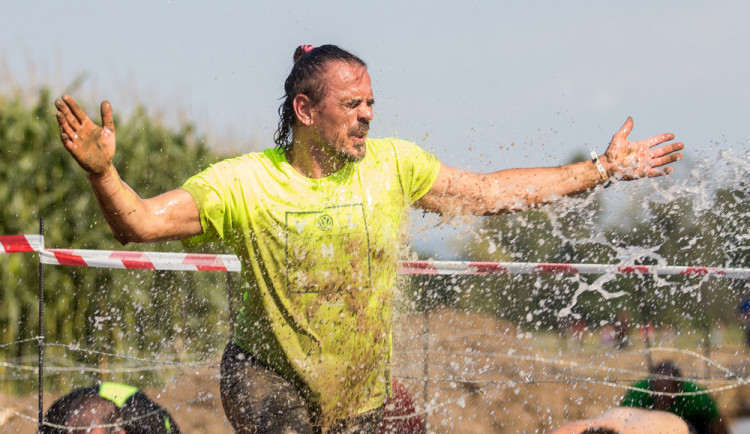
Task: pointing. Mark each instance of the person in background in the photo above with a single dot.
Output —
(107, 408)
(622, 330)
(625, 420)
(665, 390)
(743, 312)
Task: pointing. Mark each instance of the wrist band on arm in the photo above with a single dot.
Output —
(600, 167)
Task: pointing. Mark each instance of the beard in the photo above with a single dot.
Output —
(345, 153)
(350, 157)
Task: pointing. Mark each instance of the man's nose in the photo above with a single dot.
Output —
(365, 113)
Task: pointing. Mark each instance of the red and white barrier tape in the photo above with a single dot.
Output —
(140, 260)
(21, 243)
(201, 262)
(484, 268)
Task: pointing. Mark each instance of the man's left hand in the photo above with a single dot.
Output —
(632, 160)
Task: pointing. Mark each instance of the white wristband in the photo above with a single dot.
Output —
(599, 167)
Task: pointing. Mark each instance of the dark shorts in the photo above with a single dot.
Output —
(258, 400)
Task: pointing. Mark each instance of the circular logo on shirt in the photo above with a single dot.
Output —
(325, 222)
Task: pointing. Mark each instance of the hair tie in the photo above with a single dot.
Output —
(306, 48)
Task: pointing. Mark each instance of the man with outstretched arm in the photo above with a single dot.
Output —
(316, 222)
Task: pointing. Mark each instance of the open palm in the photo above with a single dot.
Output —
(632, 160)
(92, 146)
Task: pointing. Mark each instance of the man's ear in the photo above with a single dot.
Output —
(303, 106)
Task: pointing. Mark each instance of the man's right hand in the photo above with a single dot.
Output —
(92, 146)
(169, 216)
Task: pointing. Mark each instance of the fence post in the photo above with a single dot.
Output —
(706, 325)
(426, 366)
(645, 283)
(40, 338)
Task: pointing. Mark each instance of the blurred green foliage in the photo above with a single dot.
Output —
(135, 313)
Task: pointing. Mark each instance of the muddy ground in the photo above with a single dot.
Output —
(484, 376)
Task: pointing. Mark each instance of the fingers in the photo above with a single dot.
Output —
(625, 130)
(661, 157)
(64, 115)
(107, 118)
(667, 149)
(79, 114)
(661, 161)
(653, 173)
(66, 132)
(667, 154)
(661, 138)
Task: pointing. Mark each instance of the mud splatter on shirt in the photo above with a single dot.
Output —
(320, 259)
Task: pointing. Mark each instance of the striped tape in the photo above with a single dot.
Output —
(187, 261)
(485, 268)
(140, 260)
(206, 262)
(21, 243)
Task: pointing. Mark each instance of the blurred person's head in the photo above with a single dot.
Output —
(95, 416)
(109, 408)
(665, 378)
(92, 414)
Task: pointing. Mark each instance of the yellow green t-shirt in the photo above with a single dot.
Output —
(320, 259)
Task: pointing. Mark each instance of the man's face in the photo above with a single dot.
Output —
(342, 118)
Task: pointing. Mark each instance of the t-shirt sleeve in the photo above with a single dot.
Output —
(209, 192)
(418, 169)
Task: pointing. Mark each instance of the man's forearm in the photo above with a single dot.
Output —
(519, 189)
(506, 191)
(172, 215)
(123, 209)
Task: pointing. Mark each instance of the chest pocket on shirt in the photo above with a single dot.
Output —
(327, 251)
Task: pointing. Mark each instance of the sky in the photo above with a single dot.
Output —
(486, 85)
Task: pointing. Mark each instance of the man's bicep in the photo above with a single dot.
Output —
(454, 192)
(174, 216)
(434, 197)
